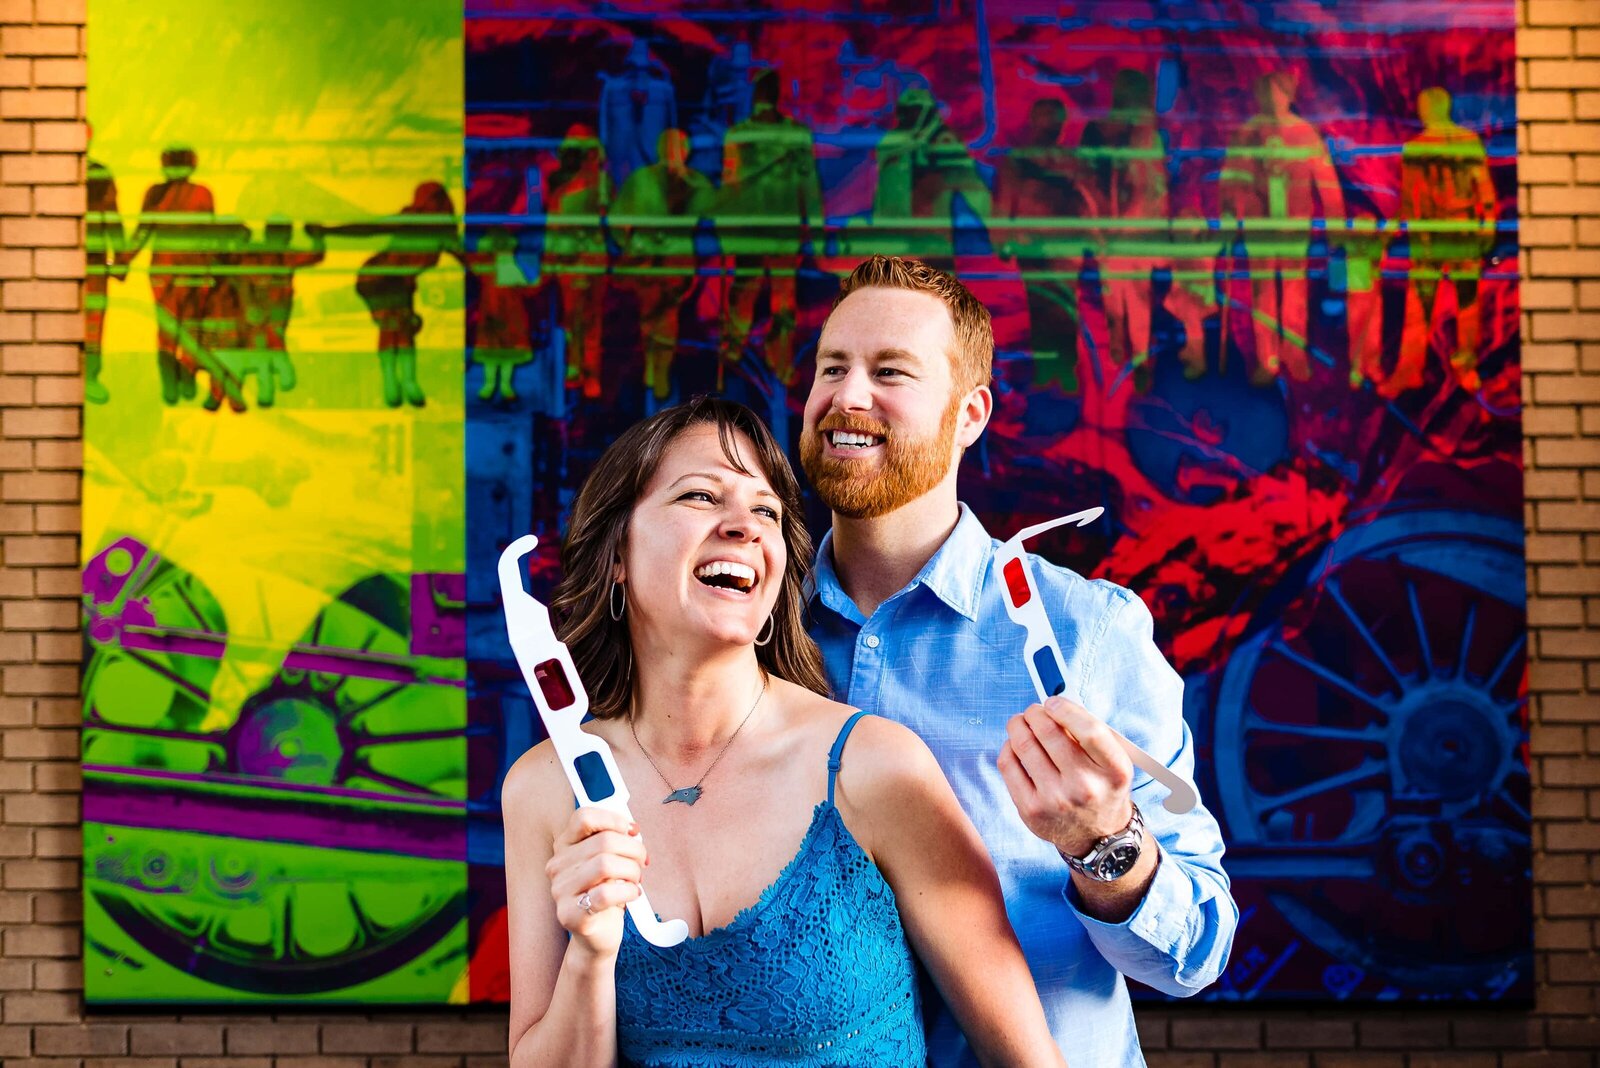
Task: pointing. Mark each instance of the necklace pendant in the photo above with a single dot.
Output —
(688, 795)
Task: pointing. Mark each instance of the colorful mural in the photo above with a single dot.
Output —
(1253, 271)
(275, 769)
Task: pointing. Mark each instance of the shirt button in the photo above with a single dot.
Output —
(873, 641)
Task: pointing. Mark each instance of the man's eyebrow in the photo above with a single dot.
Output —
(712, 476)
(836, 355)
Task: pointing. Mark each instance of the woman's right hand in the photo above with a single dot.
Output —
(598, 853)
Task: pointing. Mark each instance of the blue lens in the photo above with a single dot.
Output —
(1044, 662)
(594, 777)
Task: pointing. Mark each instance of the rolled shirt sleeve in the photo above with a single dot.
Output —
(1178, 939)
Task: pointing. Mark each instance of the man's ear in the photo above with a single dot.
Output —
(974, 415)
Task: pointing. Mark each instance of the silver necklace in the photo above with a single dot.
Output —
(690, 794)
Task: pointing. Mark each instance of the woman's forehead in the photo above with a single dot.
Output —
(699, 449)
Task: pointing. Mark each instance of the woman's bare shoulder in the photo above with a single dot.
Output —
(880, 754)
(535, 790)
(885, 756)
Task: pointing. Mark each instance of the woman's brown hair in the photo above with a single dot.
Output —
(580, 605)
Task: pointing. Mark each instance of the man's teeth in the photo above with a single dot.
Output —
(743, 575)
(845, 439)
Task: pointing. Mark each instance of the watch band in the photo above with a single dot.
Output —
(1092, 864)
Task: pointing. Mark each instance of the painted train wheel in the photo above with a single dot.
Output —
(1370, 752)
(144, 699)
(335, 749)
(351, 731)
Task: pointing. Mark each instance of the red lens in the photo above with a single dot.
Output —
(552, 679)
(1016, 582)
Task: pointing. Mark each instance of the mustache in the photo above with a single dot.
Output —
(853, 425)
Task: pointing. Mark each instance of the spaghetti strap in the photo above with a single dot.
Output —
(838, 750)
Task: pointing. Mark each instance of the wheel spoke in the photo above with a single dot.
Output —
(369, 930)
(1505, 662)
(1335, 588)
(374, 740)
(195, 691)
(182, 595)
(1466, 639)
(1422, 631)
(287, 930)
(1365, 770)
(266, 615)
(353, 711)
(1296, 862)
(1374, 733)
(1516, 806)
(1336, 681)
(365, 771)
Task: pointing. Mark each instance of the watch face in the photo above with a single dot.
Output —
(1118, 862)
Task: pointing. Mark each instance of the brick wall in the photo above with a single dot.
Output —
(42, 1021)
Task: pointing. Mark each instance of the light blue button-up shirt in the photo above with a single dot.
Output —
(943, 657)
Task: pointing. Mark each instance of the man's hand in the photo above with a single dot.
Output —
(1070, 781)
(1067, 775)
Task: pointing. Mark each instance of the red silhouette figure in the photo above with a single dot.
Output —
(1444, 178)
(1278, 169)
(176, 215)
(501, 336)
(387, 282)
(1123, 159)
(770, 185)
(659, 255)
(575, 251)
(267, 291)
(105, 243)
(1038, 181)
(222, 318)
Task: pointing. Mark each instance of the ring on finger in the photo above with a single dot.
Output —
(584, 903)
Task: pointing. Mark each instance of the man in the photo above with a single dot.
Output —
(912, 626)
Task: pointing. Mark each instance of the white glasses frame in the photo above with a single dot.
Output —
(558, 692)
(1047, 668)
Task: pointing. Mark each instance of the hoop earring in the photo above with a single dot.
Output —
(770, 628)
(611, 602)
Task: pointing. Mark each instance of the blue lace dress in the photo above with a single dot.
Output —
(816, 973)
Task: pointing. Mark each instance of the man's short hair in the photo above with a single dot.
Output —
(972, 362)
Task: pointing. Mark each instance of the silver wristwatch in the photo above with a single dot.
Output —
(1113, 856)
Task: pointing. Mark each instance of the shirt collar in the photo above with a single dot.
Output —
(955, 574)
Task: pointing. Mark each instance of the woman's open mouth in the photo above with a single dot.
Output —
(727, 575)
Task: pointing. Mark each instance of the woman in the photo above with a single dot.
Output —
(810, 850)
